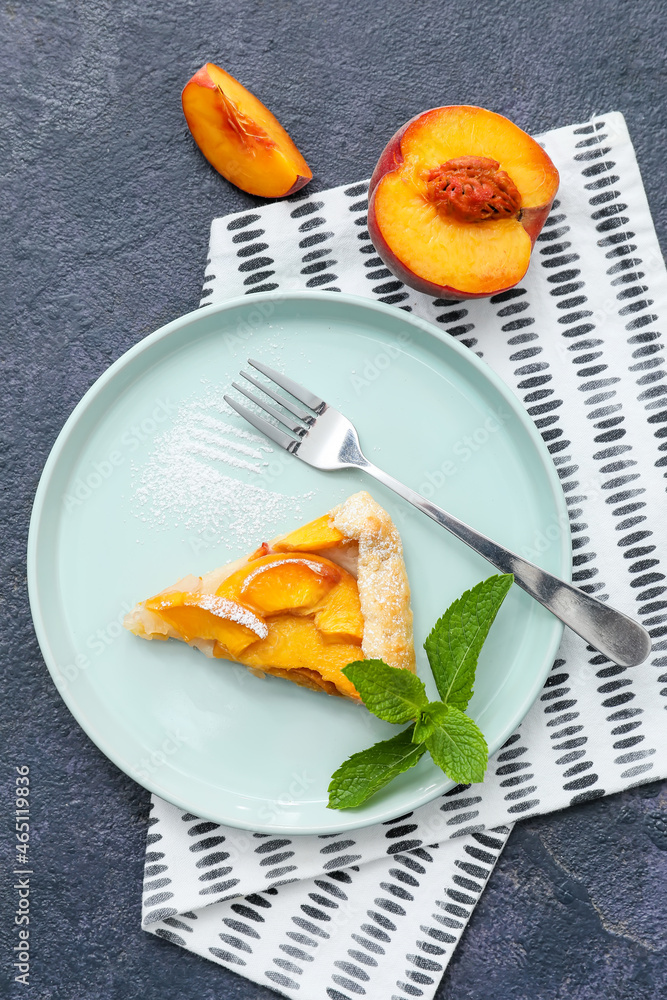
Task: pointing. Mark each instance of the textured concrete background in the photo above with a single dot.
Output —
(105, 205)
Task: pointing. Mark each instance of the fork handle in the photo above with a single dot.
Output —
(614, 634)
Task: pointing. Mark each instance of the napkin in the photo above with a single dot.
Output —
(378, 912)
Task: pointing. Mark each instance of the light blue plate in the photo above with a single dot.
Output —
(151, 479)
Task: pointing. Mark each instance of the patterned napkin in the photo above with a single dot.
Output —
(379, 912)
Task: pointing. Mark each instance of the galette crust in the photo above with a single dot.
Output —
(384, 591)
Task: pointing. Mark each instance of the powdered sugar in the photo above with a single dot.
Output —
(188, 479)
(232, 611)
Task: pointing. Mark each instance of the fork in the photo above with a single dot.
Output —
(322, 437)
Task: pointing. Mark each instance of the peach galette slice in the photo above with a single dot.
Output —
(302, 606)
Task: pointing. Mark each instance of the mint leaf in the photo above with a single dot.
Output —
(392, 694)
(456, 744)
(456, 640)
(367, 772)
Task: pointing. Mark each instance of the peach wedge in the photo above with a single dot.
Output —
(240, 137)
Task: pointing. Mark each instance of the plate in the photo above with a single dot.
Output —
(153, 477)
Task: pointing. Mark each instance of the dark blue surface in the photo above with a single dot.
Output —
(105, 205)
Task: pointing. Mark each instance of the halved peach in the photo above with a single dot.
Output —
(240, 137)
(206, 616)
(457, 200)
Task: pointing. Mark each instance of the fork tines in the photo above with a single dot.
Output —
(299, 427)
(303, 395)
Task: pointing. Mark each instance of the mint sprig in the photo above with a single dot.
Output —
(453, 739)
